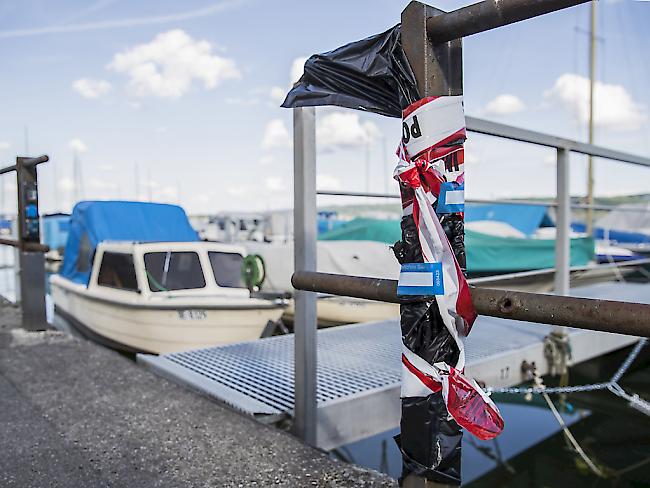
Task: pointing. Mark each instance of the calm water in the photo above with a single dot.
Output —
(532, 451)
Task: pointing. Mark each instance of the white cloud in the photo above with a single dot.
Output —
(344, 129)
(276, 135)
(105, 167)
(4, 145)
(327, 182)
(275, 183)
(504, 105)
(614, 107)
(168, 65)
(334, 130)
(77, 145)
(278, 94)
(89, 88)
(297, 69)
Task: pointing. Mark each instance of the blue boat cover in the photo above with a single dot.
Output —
(94, 222)
(616, 236)
(525, 218)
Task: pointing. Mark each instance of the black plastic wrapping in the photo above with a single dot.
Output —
(429, 442)
(374, 75)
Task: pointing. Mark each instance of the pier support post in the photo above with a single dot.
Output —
(305, 228)
(562, 224)
(32, 263)
(32, 290)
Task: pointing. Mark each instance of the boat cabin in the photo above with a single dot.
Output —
(164, 269)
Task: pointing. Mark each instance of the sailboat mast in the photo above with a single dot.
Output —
(592, 76)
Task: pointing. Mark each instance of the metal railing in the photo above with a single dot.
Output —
(580, 313)
(31, 260)
(480, 201)
(431, 42)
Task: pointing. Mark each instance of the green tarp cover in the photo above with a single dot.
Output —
(485, 253)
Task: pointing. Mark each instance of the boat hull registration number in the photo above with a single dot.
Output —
(192, 314)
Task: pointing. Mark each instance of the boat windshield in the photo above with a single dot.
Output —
(227, 269)
(168, 271)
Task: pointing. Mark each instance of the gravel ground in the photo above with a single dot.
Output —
(74, 414)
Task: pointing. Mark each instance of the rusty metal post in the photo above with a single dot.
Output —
(32, 262)
(438, 70)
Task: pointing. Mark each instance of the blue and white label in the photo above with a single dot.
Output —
(421, 279)
(452, 198)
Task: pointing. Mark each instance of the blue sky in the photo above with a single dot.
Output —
(179, 101)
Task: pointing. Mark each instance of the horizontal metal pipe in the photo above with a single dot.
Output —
(43, 158)
(488, 15)
(7, 169)
(25, 246)
(581, 313)
(484, 200)
(27, 162)
(487, 127)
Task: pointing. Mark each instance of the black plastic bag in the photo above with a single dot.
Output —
(372, 75)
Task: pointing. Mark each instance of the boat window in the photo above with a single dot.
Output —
(227, 268)
(167, 271)
(117, 271)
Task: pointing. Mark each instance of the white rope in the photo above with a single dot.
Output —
(572, 440)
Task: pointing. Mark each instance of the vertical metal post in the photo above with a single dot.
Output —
(32, 264)
(563, 224)
(32, 290)
(438, 70)
(304, 210)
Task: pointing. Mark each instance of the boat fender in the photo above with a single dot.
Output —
(253, 271)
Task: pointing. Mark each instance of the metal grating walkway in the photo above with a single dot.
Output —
(359, 367)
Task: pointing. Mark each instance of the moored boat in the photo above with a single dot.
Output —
(157, 288)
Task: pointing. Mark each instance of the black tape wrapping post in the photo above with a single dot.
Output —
(374, 75)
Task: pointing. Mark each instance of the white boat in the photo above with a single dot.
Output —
(160, 296)
(361, 258)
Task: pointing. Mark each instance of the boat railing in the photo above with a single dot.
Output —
(31, 260)
(431, 40)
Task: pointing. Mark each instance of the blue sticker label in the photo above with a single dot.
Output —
(451, 198)
(421, 279)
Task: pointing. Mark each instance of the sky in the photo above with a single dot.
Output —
(178, 101)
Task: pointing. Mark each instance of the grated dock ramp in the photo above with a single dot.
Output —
(359, 367)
